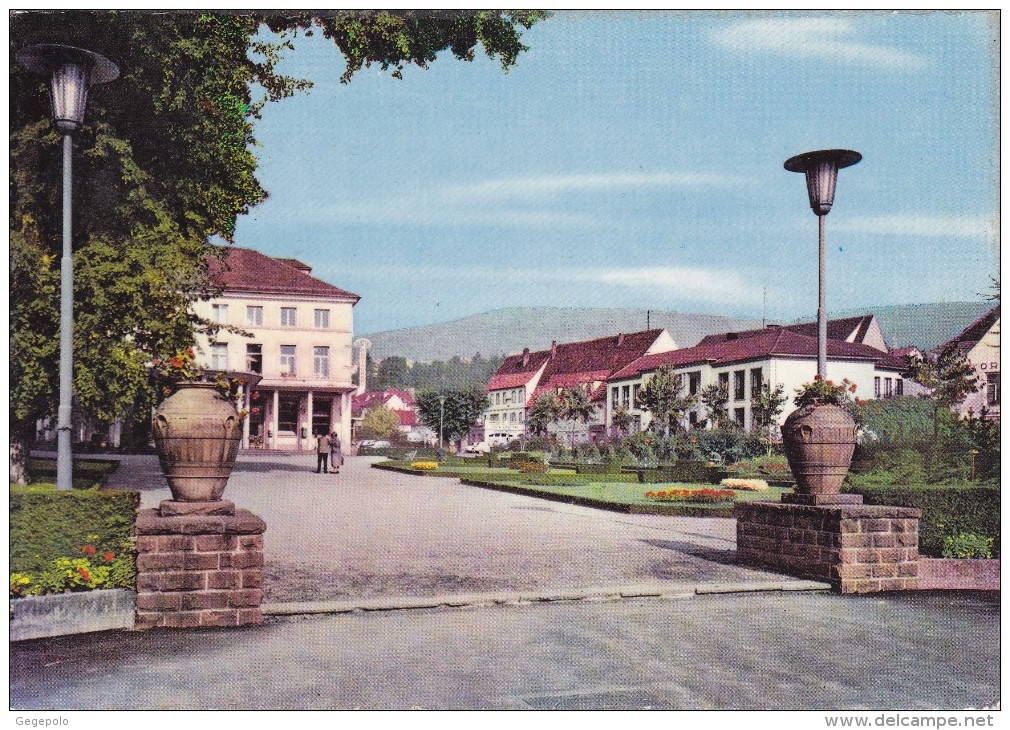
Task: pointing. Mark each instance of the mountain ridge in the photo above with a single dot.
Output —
(510, 329)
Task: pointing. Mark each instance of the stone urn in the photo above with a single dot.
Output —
(197, 433)
(819, 441)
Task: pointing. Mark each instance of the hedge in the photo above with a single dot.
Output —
(86, 472)
(46, 523)
(696, 472)
(947, 510)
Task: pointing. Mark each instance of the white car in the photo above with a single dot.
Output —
(492, 440)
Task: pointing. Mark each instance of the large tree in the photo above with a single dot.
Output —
(463, 409)
(162, 165)
(379, 422)
(950, 378)
(663, 397)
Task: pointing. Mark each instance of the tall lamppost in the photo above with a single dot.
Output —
(821, 168)
(71, 72)
(441, 418)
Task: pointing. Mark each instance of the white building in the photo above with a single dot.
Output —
(293, 332)
(522, 378)
(980, 344)
(743, 362)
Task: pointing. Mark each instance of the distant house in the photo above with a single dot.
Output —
(980, 343)
(295, 350)
(400, 402)
(742, 362)
(522, 378)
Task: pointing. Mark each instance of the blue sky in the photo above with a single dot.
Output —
(635, 159)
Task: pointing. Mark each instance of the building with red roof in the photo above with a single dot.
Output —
(289, 335)
(523, 377)
(401, 402)
(980, 344)
(743, 362)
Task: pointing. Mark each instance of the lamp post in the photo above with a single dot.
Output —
(71, 72)
(441, 418)
(821, 168)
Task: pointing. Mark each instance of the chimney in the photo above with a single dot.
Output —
(554, 348)
(620, 339)
(526, 357)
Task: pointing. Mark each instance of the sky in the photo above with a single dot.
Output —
(635, 159)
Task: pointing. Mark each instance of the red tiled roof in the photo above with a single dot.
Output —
(838, 329)
(407, 418)
(513, 374)
(246, 270)
(766, 343)
(974, 332)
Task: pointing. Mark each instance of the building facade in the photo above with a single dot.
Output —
(742, 363)
(522, 378)
(288, 336)
(980, 344)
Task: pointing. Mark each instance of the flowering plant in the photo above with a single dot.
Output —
(824, 392)
(751, 485)
(183, 368)
(424, 465)
(692, 495)
(108, 570)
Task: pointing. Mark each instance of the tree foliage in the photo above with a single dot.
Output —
(766, 405)
(545, 410)
(663, 397)
(949, 376)
(463, 410)
(379, 422)
(716, 398)
(162, 164)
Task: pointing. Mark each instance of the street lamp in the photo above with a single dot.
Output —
(821, 168)
(441, 417)
(71, 72)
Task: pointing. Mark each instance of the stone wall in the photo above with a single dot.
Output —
(199, 569)
(857, 548)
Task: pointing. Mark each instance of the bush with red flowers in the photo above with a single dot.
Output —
(702, 496)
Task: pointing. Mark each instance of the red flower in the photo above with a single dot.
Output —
(109, 557)
(852, 388)
(176, 362)
(89, 550)
(818, 377)
(84, 574)
(830, 383)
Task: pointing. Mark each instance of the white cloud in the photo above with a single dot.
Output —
(828, 39)
(552, 185)
(927, 226)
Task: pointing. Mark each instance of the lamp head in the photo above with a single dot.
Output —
(71, 72)
(821, 168)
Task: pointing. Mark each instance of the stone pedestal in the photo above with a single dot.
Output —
(199, 564)
(857, 548)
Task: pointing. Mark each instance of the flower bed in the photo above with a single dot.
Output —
(702, 496)
(424, 465)
(749, 485)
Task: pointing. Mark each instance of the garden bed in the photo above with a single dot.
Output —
(628, 498)
(36, 617)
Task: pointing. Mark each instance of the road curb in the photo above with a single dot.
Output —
(518, 598)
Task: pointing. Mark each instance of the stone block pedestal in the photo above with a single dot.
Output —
(857, 548)
(199, 564)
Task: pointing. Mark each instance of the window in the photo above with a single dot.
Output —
(497, 399)
(288, 360)
(289, 317)
(738, 416)
(254, 357)
(724, 382)
(888, 391)
(693, 383)
(322, 319)
(634, 395)
(521, 416)
(219, 312)
(756, 381)
(493, 418)
(625, 395)
(739, 385)
(899, 387)
(992, 389)
(254, 316)
(876, 387)
(615, 396)
(512, 417)
(321, 362)
(692, 418)
(287, 413)
(219, 356)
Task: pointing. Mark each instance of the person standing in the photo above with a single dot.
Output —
(322, 453)
(336, 455)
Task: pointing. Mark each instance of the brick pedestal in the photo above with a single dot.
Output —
(857, 548)
(199, 564)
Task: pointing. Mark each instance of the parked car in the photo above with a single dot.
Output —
(366, 443)
(380, 445)
(492, 440)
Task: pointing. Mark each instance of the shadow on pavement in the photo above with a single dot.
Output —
(715, 555)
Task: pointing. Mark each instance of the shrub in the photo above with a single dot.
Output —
(533, 467)
(967, 545)
(947, 509)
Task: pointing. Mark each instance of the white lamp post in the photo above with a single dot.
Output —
(441, 417)
(71, 72)
(821, 168)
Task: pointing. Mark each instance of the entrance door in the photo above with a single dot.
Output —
(321, 414)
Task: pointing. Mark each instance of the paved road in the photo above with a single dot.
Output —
(737, 651)
(368, 532)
